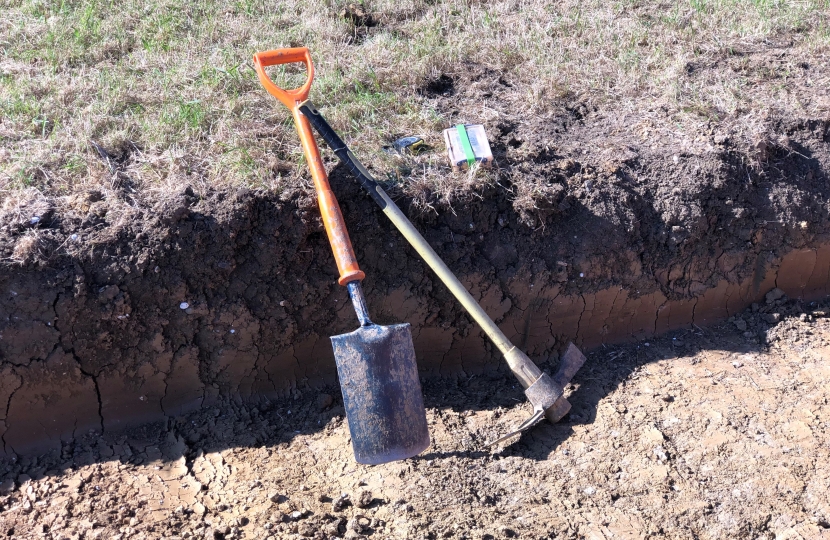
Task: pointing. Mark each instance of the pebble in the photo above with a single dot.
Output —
(184, 305)
(772, 318)
(358, 524)
(740, 324)
(341, 502)
(35, 220)
(736, 364)
(333, 528)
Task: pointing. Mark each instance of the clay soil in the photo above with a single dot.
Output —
(716, 433)
(120, 308)
(166, 370)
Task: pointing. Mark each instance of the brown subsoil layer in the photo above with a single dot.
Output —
(697, 434)
(117, 310)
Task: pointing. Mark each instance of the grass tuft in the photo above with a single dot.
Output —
(174, 78)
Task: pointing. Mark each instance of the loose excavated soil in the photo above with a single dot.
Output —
(698, 434)
(120, 308)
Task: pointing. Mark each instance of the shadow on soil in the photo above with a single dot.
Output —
(604, 371)
(234, 424)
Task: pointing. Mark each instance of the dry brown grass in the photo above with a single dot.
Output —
(27, 248)
(166, 87)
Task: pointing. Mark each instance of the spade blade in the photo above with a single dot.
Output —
(381, 392)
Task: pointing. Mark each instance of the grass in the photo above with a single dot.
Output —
(170, 83)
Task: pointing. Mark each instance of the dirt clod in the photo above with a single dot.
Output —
(364, 499)
(774, 295)
(324, 401)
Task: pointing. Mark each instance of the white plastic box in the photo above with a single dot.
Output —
(478, 141)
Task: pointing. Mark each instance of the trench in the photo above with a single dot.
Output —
(134, 312)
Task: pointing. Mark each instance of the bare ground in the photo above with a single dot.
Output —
(698, 434)
(681, 159)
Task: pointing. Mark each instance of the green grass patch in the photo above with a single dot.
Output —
(174, 78)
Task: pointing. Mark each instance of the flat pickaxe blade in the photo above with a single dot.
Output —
(547, 394)
(571, 361)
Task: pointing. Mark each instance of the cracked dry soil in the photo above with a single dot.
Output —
(590, 235)
(716, 433)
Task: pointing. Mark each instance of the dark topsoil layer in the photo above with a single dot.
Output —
(584, 218)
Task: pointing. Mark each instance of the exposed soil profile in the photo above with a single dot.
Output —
(697, 434)
(116, 311)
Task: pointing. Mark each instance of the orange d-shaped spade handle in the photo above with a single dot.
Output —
(329, 209)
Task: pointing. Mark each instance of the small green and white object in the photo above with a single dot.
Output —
(466, 145)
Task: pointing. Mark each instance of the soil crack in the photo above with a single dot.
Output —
(95, 383)
(8, 408)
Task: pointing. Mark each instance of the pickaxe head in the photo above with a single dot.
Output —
(547, 394)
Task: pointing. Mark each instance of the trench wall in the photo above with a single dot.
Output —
(117, 310)
(51, 392)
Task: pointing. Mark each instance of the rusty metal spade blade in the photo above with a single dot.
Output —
(378, 376)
